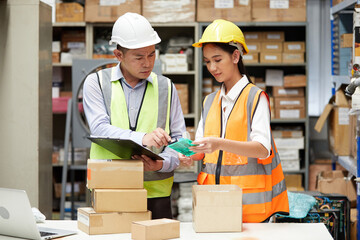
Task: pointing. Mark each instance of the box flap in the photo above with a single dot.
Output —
(340, 98)
(323, 117)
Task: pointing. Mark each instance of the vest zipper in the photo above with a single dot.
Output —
(218, 168)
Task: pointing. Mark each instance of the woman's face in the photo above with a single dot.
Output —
(222, 65)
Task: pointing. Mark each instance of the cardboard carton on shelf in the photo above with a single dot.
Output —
(278, 11)
(115, 174)
(94, 223)
(209, 10)
(296, 80)
(270, 57)
(293, 57)
(69, 12)
(163, 11)
(163, 228)
(287, 92)
(294, 47)
(119, 200)
(217, 208)
(336, 115)
(109, 11)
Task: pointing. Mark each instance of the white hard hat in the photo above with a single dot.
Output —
(132, 30)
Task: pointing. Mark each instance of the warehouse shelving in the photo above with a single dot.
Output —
(302, 67)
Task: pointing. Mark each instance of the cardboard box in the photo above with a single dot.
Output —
(119, 200)
(290, 113)
(217, 208)
(169, 11)
(288, 154)
(287, 133)
(234, 11)
(353, 223)
(254, 47)
(346, 40)
(294, 47)
(253, 37)
(72, 38)
(251, 58)
(352, 136)
(336, 182)
(155, 229)
(287, 92)
(293, 181)
(69, 12)
(290, 143)
(183, 93)
(290, 165)
(109, 11)
(314, 170)
(278, 11)
(289, 102)
(298, 80)
(336, 114)
(115, 174)
(271, 47)
(270, 58)
(56, 57)
(273, 36)
(93, 223)
(293, 58)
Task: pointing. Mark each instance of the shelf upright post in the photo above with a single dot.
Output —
(357, 175)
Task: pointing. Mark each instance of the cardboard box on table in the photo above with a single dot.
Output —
(336, 113)
(155, 229)
(115, 174)
(217, 208)
(92, 222)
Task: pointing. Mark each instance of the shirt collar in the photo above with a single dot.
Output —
(235, 90)
(116, 74)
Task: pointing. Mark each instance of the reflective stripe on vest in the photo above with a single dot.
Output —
(154, 112)
(262, 180)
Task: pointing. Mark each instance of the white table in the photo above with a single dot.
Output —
(251, 231)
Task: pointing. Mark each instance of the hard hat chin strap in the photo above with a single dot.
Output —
(238, 46)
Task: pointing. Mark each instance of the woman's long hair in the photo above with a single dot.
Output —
(230, 49)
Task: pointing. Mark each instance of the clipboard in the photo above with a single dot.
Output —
(123, 148)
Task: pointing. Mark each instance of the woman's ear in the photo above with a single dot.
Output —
(236, 56)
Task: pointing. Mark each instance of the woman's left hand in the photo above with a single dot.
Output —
(205, 145)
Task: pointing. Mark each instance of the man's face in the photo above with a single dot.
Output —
(136, 64)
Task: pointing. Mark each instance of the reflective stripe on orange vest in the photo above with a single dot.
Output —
(262, 180)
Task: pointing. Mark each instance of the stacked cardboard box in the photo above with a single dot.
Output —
(235, 11)
(118, 197)
(289, 142)
(183, 92)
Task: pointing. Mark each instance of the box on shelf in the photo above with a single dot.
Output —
(251, 58)
(289, 102)
(69, 12)
(294, 47)
(290, 165)
(217, 208)
(56, 57)
(298, 80)
(270, 57)
(109, 11)
(72, 39)
(290, 143)
(163, 228)
(336, 114)
(352, 136)
(273, 36)
(235, 11)
(278, 11)
(290, 113)
(346, 40)
(271, 47)
(317, 167)
(79, 189)
(288, 154)
(293, 182)
(287, 132)
(119, 200)
(256, 37)
(293, 58)
(336, 182)
(115, 174)
(169, 11)
(183, 92)
(287, 92)
(254, 47)
(274, 77)
(93, 223)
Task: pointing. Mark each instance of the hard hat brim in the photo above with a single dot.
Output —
(199, 45)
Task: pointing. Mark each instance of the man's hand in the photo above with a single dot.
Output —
(149, 164)
(157, 138)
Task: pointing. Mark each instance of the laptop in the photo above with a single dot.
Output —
(123, 148)
(17, 219)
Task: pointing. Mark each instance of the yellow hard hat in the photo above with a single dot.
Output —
(222, 31)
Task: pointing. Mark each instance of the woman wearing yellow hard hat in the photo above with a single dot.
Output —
(233, 138)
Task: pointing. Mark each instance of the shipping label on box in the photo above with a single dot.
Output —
(115, 174)
(273, 36)
(93, 223)
(293, 58)
(119, 200)
(155, 229)
(290, 113)
(273, 47)
(217, 208)
(290, 143)
(289, 102)
(294, 47)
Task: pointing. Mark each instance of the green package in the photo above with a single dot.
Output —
(182, 146)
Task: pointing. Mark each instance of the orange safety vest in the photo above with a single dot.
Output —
(262, 180)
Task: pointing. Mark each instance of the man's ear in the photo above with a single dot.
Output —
(119, 55)
(236, 56)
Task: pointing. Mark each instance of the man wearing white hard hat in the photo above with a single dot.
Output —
(129, 101)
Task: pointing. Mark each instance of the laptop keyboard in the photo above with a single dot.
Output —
(44, 234)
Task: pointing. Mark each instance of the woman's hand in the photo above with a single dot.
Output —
(206, 145)
(187, 161)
